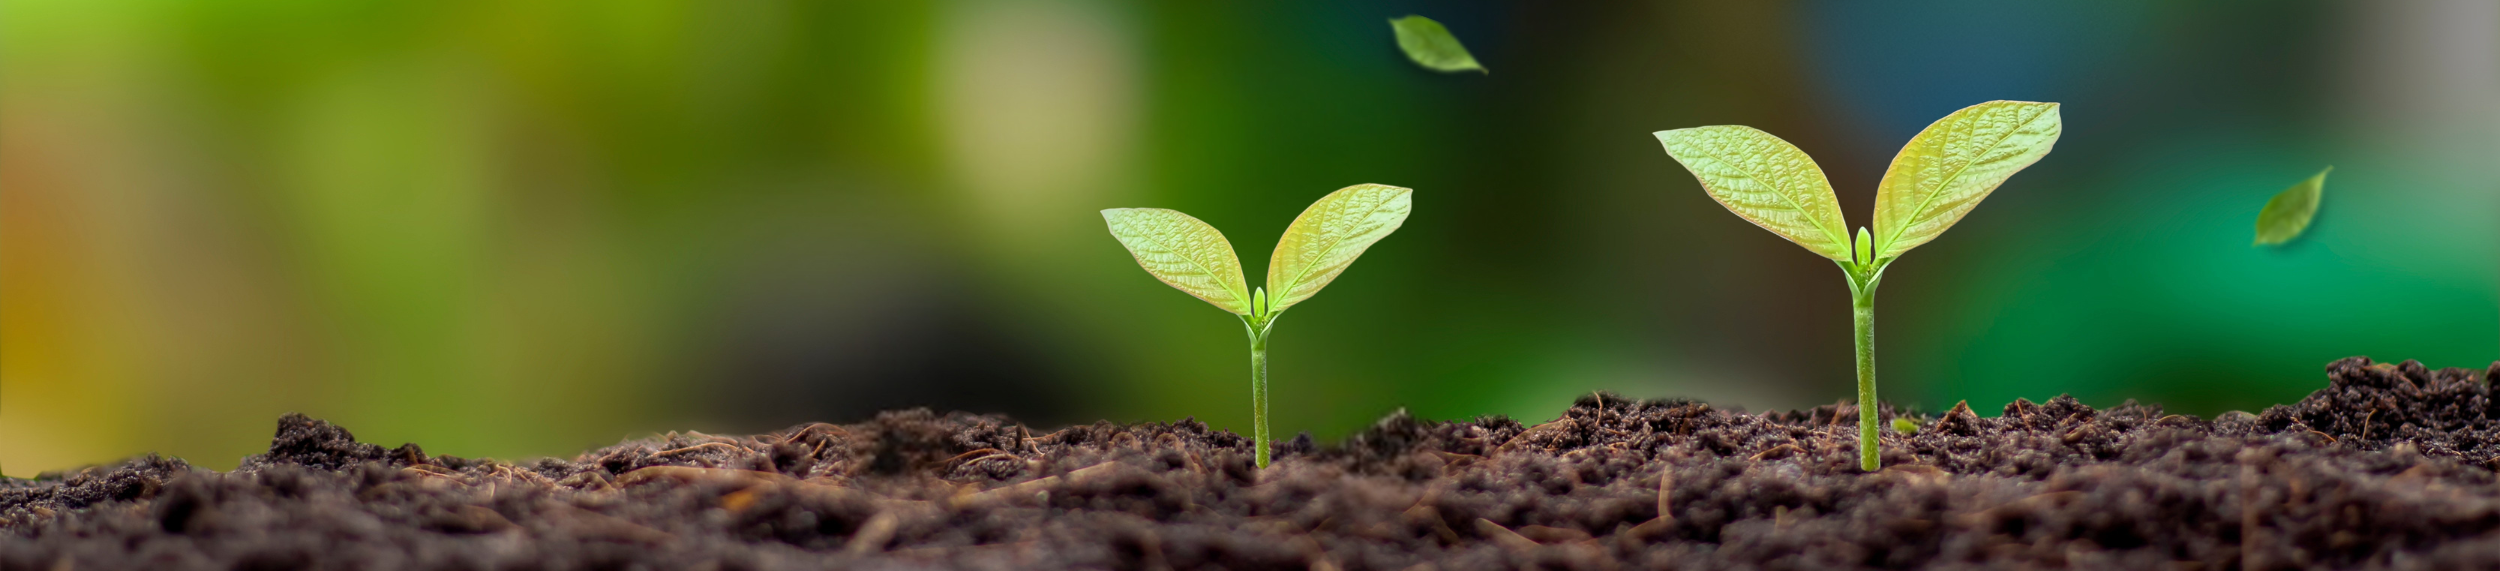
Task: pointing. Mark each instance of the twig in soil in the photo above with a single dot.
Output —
(1665, 522)
(591, 480)
(873, 535)
(1503, 536)
(811, 428)
(973, 456)
(693, 475)
(1666, 485)
(435, 471)
(709, 437)
(674, 452)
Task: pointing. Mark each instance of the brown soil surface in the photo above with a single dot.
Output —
(2390, 466)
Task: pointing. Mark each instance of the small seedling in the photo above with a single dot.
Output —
(1431, 46)
(1905, 426)
(2288, 213)
(1934, 182)
(1194, 258)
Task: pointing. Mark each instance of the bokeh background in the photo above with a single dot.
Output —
(529, 228)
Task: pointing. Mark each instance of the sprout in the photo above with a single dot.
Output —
(1194, 258)
(1936, 180)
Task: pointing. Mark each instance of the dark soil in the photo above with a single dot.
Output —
(2390, 466)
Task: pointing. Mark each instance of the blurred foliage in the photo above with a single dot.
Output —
(526, 228)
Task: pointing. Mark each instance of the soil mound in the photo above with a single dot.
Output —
(2391, 466)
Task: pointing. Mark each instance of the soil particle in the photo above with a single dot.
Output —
(2388, 467)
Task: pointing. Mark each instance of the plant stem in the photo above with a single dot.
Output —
(1258, 388)
(1865, 309)
(1862, 282)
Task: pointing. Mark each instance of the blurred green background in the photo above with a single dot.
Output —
(529, 228)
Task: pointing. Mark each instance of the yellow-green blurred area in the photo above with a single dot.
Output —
(522, 228)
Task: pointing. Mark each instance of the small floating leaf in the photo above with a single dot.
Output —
(1431, 45)
(1183, 252)
(2289, 212)
(1327, 237)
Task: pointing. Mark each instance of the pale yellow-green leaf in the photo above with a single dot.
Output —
(2289, 212)
(1432, 46)
(1328, 236)
(1766, 181)
(1183, 252)
(1945, 171)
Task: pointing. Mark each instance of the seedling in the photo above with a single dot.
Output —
(1934, 182)
(2288, 213)
(1194, 258)
(1432, 46)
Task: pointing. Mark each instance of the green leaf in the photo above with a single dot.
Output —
(2289, 212)
(1766, 181)
(1183, 252)
(1327, 237)
(1905, 426)
(1431, 45)
(1945, 171)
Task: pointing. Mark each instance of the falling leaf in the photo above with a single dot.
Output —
(2290, 211)
(1431, 45)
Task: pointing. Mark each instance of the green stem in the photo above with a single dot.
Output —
(1258, 389)
(1864, 304)
(1862, 282)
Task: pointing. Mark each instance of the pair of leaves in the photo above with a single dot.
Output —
(1936, 179)
(2288, 213)
(1432, 46)
(1192, 256)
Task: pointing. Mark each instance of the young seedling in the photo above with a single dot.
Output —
(1432, 46)
(1936, 180)
(1194, 258)
(2288, 213)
